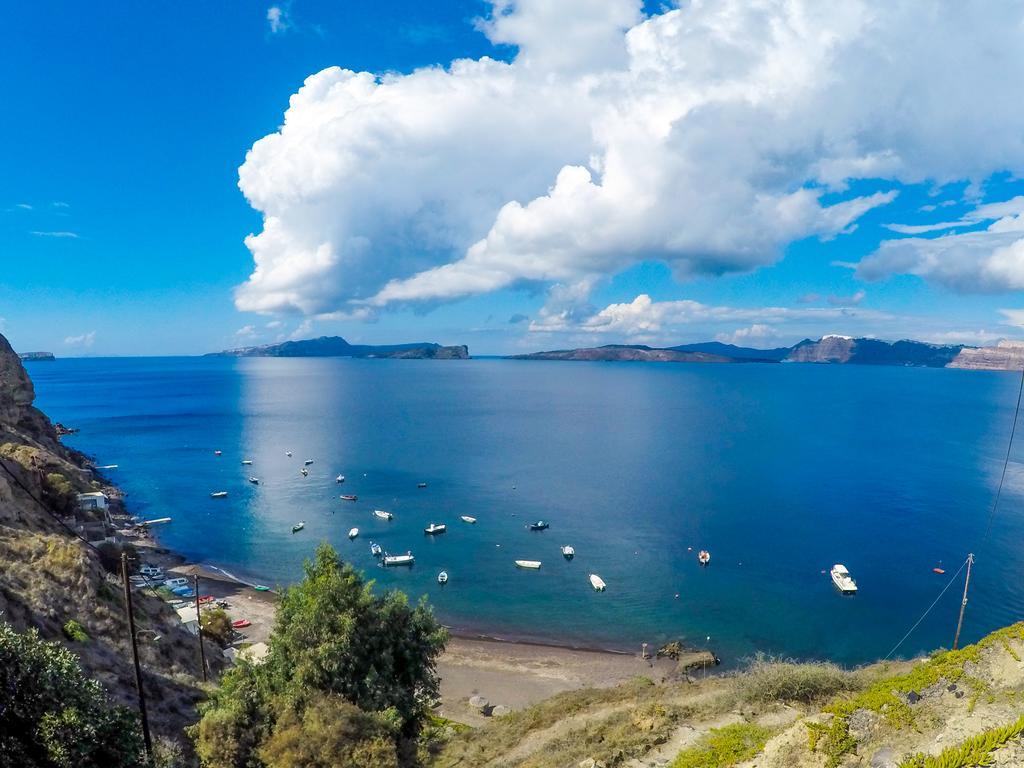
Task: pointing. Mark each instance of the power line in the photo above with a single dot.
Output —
(918, 622)
(1006, 462)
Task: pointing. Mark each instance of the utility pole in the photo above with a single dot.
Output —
(135, 656)
(199, 627)
(963, 603)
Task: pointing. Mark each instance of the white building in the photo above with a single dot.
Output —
(93, 500)
(189, 618)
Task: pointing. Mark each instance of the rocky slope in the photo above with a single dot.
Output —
(335, 346)
(49, 577)
(614, 352)
(1006, 356)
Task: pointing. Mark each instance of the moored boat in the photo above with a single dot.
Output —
(305, 472)
(246, 462)
(421, 485)
(435, 528)
(254, 480)
(540, 525)
(308, 462)
(842, 579)
(261, 588)
(467, 519)
(219, 495)
(703, 557)
(353, 532)
(288, 453)
(442, 577)
(597, 582)
(298, 526)
(389, 560)
(216, 453)
(348, 497)
(530, 564)
(375, 549)
(382, 514)
(339, 479)
(568, 552)
(241, 623)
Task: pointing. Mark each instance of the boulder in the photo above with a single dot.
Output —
(479, 702)
(500, 711)
(884, 758)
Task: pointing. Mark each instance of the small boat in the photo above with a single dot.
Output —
(382, 514)
(421, 485)
(568, 552)
(261, 588)
(305, 472)
(939, 571)
(348, 497)
(703, 557)
(216, 453)
(246, 462)
(353, 532)
(254, 480)
(435, 528)
(203, 599)
(389, 560)
(308, 462)
(288, 453)
(842, 579)
(531, 564)
(298, 526)
(467, 519)
(219, 495)
(375, 549)
(108, 466)
(241, 623)
(339, 479)
(442, 577)
(540, 525)
(597, 582)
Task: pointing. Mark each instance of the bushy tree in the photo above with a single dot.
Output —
(53, 716)
(217, 626)
(335, 641)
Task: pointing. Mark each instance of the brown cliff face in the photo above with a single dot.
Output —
(1006, 356)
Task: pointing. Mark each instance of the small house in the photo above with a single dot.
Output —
(189, 618)
(93, 500)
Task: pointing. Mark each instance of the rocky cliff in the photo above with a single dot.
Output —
(614, 352)
(336, 346)
(1006, 356)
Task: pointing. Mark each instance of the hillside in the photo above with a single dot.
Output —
(615, 352)
(49, 577)
(336, 346)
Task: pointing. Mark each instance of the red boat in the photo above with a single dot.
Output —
(349, 497)
(241, 623)
(939, 570)
(205, 599)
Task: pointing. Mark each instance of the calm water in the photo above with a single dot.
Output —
(779, 470)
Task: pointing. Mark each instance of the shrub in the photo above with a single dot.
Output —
(75, 632)
(217, 626)
(722, 747)
(772, 680)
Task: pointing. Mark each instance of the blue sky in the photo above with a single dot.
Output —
(122, 225)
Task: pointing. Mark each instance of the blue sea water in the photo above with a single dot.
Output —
(779, 470)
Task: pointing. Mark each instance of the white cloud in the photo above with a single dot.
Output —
(246, 331)
(59, 234)
(847, 301)
(59, 204)
(989, 260)
(275, 324)
(756, 334)
(278, 18)
(84, 341)
(969, 338)
(704, 137)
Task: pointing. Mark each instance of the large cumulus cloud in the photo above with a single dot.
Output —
(707, 137)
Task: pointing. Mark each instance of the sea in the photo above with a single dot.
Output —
(780, 471)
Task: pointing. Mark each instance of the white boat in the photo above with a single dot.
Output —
(305, 472)
(568, 552)
(219, 495)
(597, 582)
(246, 462)
(842, 579)
(353, 532)
(308, 462)
(298, 526)
(339, 479)
(435, 528)
(532, 564)
(442, 577)
(467, 519)
(382, 514)
(406, 559)
(254, 480)
(703, 557)
(375, 549)
(287, 453)
(216, 453)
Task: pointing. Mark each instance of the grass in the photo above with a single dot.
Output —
(975, 751)
(722, 747)
(768, 681)
(75, 632)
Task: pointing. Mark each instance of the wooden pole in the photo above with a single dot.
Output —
(963, 603)
(199, 627)
(135, 657)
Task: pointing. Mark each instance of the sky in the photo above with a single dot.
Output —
(514, 175)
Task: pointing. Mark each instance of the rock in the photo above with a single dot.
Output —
(479, 702)
(588, 763)
(500, 711)
(884, 758)
(913, 697)
(861, 724)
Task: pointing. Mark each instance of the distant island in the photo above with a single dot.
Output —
(36, 356)
(1006, 356)
(335, 346)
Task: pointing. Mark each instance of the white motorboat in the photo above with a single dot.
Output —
(216, 453)
(568, 552)
(339, 479)
(703, 557)
(531, 564)
(246, 462)
(375, 549)
(435, 528)
(353, 532)
(842, 579)
(288, 453)
(219, 495)
(442, 577)
(597, 582)
(467, 519)
(298, 526)
(305, 472)
(308, 462)
(254, 480)
(383, 515)
(406, 559)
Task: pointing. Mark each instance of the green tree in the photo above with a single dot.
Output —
(217, 626)
(53, 716)
(333, 640)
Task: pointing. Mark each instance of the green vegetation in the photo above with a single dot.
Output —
(975, 751)
(767, 681)
(347, 681)
(56, 717)
(722, 747)
(75, 632)
(217, 626)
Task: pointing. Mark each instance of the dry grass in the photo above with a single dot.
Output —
(770, 681)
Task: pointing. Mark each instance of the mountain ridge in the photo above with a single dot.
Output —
(336, 346)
